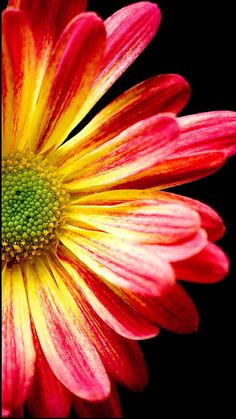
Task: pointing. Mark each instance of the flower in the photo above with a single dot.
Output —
(92, 245)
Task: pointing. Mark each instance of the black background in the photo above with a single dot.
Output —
(194, 375)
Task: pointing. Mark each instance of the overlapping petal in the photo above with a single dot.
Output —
(127, 265)
(165, 93)
(70, 354)
(147, 221)
(48, 398)
(126, 156)
(177, 170)
(208, 266)
(18, 80)
(210, 220)
(207, 131)
(172, 310)
(107, 301)
(70, 72)
(109, 408)
(117, 353)
(112, 278)
(129, 30)
(48, 20)
(18, 353)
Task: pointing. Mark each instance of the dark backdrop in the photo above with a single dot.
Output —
(194, 375)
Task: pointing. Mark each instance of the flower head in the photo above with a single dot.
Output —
(92, 246)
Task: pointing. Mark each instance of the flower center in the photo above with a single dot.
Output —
(33, 201)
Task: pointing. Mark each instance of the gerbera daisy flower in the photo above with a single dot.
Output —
(92, 245)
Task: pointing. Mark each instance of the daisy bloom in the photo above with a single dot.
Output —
(92, 245)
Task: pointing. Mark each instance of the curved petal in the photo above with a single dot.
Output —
(177, 171)
(209, 266)
(106, 300)
(18, 353)
(48, 22)
(147, 222)
(210, 220)
(48, 398)
(207, 131)
(70, 72)
(121, 357)
(129, 30)
(69, 352)
(129, 266)
(126, 156)
(110, 408)
(164, 93)
(172, 310)
(19, 80)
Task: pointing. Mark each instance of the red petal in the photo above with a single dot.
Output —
(121, 357)
(173, 310)
(208, 266)
(19, 79)
(210, 220)
(178, 170)
(18, 354)
(48, 22)
(165, 93)
(48, 398)
(208, 131)
(107, 301)
(129, 30)
(70, 73)
(182, 250)
(110, 408)
(146, 222)
(126, 156)
(126, 265)
(69, 352)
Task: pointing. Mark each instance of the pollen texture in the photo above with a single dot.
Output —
(33, 202)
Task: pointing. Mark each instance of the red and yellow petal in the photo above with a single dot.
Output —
(107, 301)
(71, 70)
(127, 265)
(69, 352)
(18, 353)
(109, 408)
(207, 131)
(147, 222)
(208, 266)
(210, 220)
(129, 30)
(49, 21)
(18, 81)
(165, 93)
(48, 398)
(120, 356)
(175, 171)
(126, 156)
